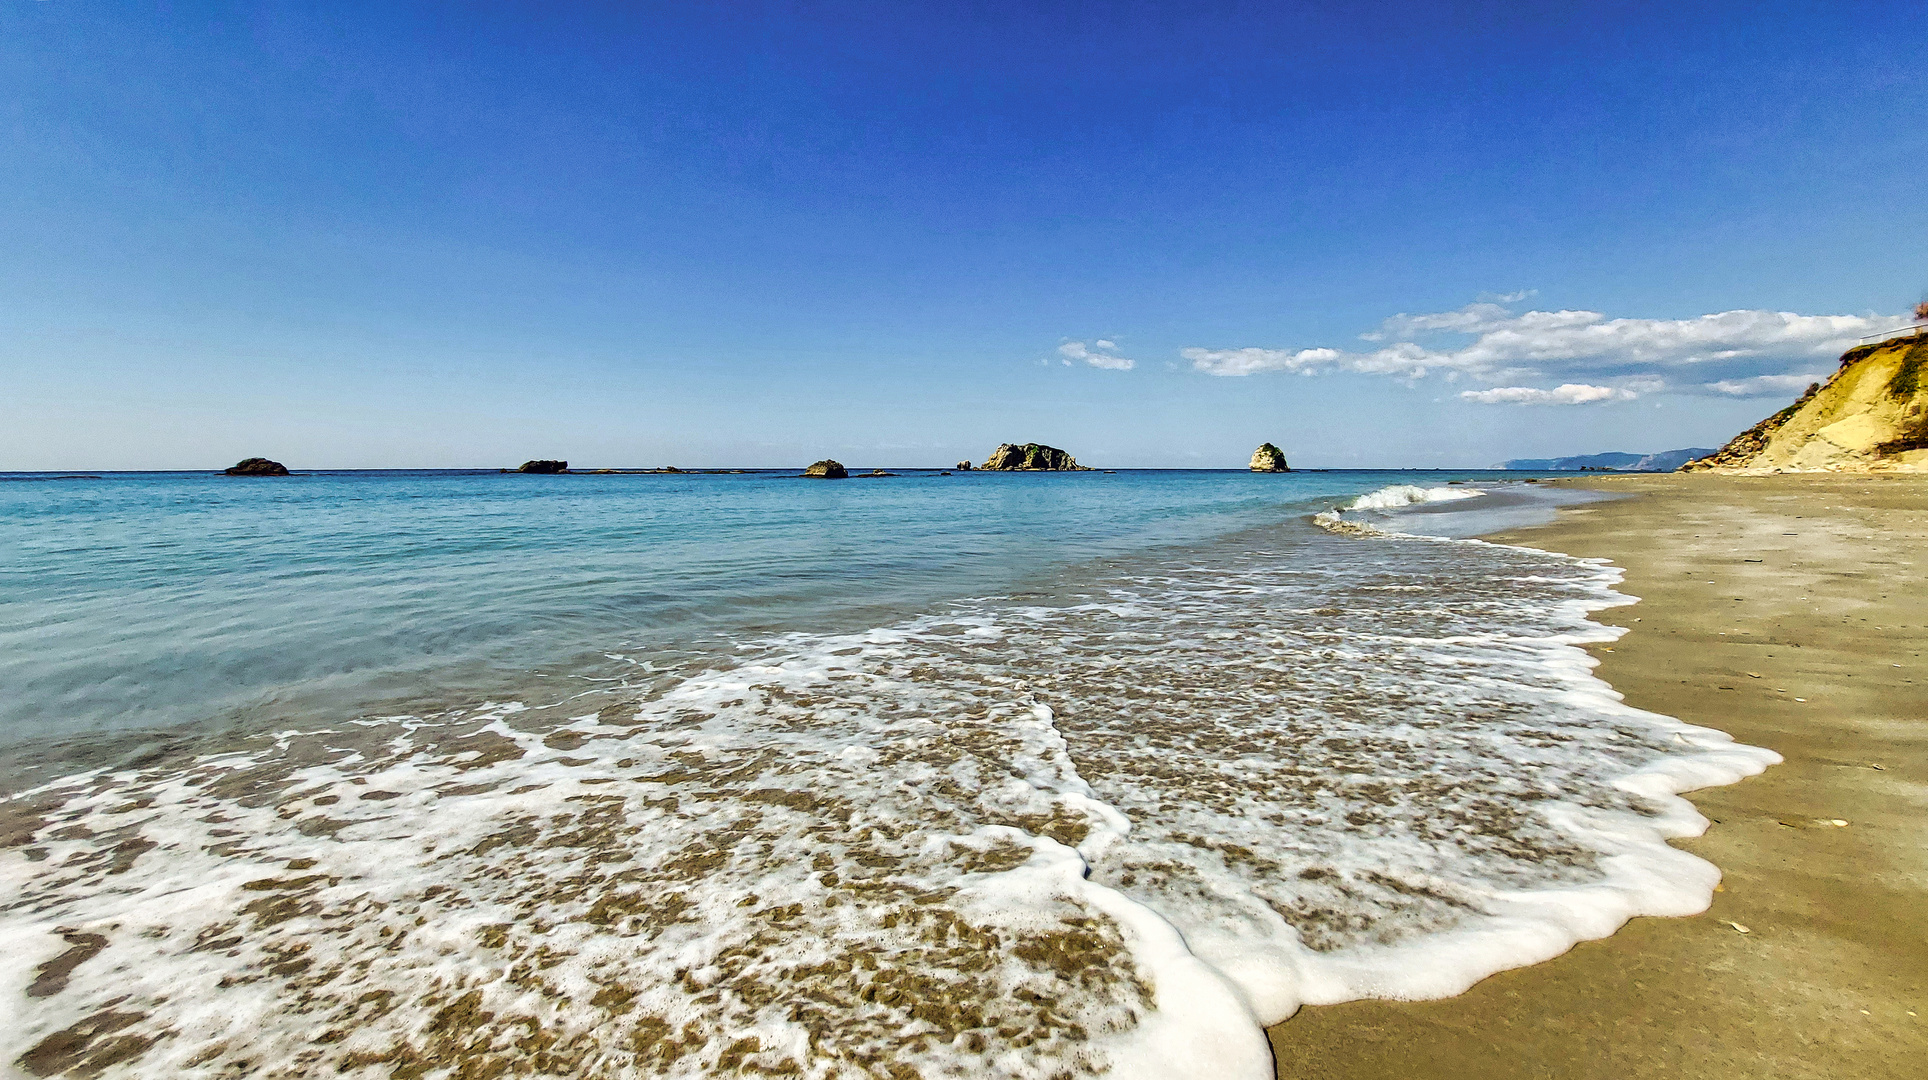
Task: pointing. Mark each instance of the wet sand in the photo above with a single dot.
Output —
(1788, 611)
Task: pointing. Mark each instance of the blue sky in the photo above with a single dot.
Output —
(378, 235)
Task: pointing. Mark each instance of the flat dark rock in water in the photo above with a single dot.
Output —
(257, 466)
(827, 470)
(666, 470)
(544, 466)
(1031, 457)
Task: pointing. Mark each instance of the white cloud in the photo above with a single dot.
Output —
(1564, 394)
(1254, 361)
(1101, 355)
(1764, 385)
(1641, 384)
(1509, 345)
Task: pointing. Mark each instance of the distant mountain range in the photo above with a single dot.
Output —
(1665, 461)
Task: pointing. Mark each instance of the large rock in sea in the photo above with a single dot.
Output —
(257, 466)
(827, 470)
(1031, 457)
(544, 466)
(1870, 416)
(1269, 458)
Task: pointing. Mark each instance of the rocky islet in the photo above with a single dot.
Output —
(1031, 457)
(256, 466)
(1268, 458)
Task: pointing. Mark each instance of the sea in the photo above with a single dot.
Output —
(1053, 775)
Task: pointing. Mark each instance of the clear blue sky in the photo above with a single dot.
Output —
(368, 235)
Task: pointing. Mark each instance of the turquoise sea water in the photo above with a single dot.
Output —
(152, 600)
(1024, 775)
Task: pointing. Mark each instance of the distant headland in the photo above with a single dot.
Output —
(1664, 461)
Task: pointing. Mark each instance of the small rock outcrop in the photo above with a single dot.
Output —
(256, 466)
(544, 466)
(1031, 457)
(1269, 458)
(827, 470)
(963, 466)
(1870, 416)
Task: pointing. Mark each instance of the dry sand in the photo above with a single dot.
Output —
(1788, 611)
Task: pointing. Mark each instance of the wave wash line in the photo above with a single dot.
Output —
(1110, 827)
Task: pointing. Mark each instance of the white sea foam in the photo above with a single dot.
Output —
(1397, 495)
(1113, 827)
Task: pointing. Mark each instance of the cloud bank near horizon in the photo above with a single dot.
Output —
(1565, 394)
(1748, 353)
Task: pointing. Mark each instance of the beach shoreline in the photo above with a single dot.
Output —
(1786, 611)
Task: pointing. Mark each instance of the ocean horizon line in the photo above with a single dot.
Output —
(695, 470)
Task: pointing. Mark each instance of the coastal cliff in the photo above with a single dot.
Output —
(1031, 457)
(1870, 416)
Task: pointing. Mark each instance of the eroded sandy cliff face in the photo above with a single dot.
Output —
(1870, 416)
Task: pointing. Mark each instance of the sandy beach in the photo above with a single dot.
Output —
(1788, 611)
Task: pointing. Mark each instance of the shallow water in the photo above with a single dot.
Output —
(1196, 764)
(157, 600)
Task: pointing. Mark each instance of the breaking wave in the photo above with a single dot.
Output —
(1398, 495)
